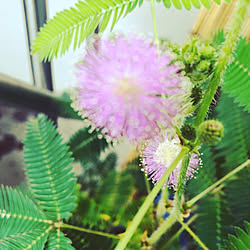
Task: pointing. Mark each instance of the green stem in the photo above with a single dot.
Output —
(16, 92)
(177, 210)
(89, 231)
(180, 185)
(224, 59)
(188, 229)
(209, 189)
(152, 2)
(150, 198)
(175, 236)
(162, 229)
(147, 184)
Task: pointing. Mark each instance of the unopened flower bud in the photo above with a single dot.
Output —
(210, 132)
(203, 66)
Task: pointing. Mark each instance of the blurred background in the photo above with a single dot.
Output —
(20, 22)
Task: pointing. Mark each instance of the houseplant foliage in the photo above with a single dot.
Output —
(123, 209)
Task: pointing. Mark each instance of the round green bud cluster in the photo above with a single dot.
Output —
(188, 132)
(199, 59)
(210, 132)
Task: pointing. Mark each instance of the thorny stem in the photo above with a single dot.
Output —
(177, 210)
(152, 2)
(188, 229)
(209, 189)
(150, 198)
(224, 58)
(89, 231)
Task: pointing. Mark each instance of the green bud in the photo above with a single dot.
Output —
(210, 132)
(188, 132)
(207, 51)
(204, 65)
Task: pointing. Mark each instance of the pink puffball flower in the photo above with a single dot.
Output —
(159, 153)
(127, 88)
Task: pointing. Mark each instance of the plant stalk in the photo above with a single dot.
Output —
(177, 209)
(150, 198)
(196, 238)
(89, 231)
(209, 189)
(224, 58)
(152, 3)
(175, 236)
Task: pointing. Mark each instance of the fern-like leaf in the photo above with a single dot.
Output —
(22, 224)
(49, 169)
(178, 4)
(57, 240)
(87, 146)
(242, 241)
(237, 75)
(18, 214)
(76, 23)
(209, 208)
(34, 240)
(234, 147)
(114, 192)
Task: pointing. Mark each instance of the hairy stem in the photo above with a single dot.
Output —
(89, 231)
(150, 198)
(224, 59)
(188, 229)
(180, 185)
(177, 210)
(152, 2)
(209, 189)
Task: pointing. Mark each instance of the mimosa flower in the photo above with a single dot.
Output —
(127, 88)
(159, 153)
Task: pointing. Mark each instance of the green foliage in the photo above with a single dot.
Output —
(57, 240)
(114, 192)
(87, 146)
(237, 76)
(189, 3)
(75, 24)
(72, 26)
(26, 222)
(242, 241)
(49, 169)
(21, 222)
(234, 147)
(95, 171)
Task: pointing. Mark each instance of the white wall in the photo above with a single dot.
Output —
(173, 24)
(14, 57)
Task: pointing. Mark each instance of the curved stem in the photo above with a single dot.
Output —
(150, 198)
(224, 59)
(209, 189)
(152, 2)
(89, 231)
